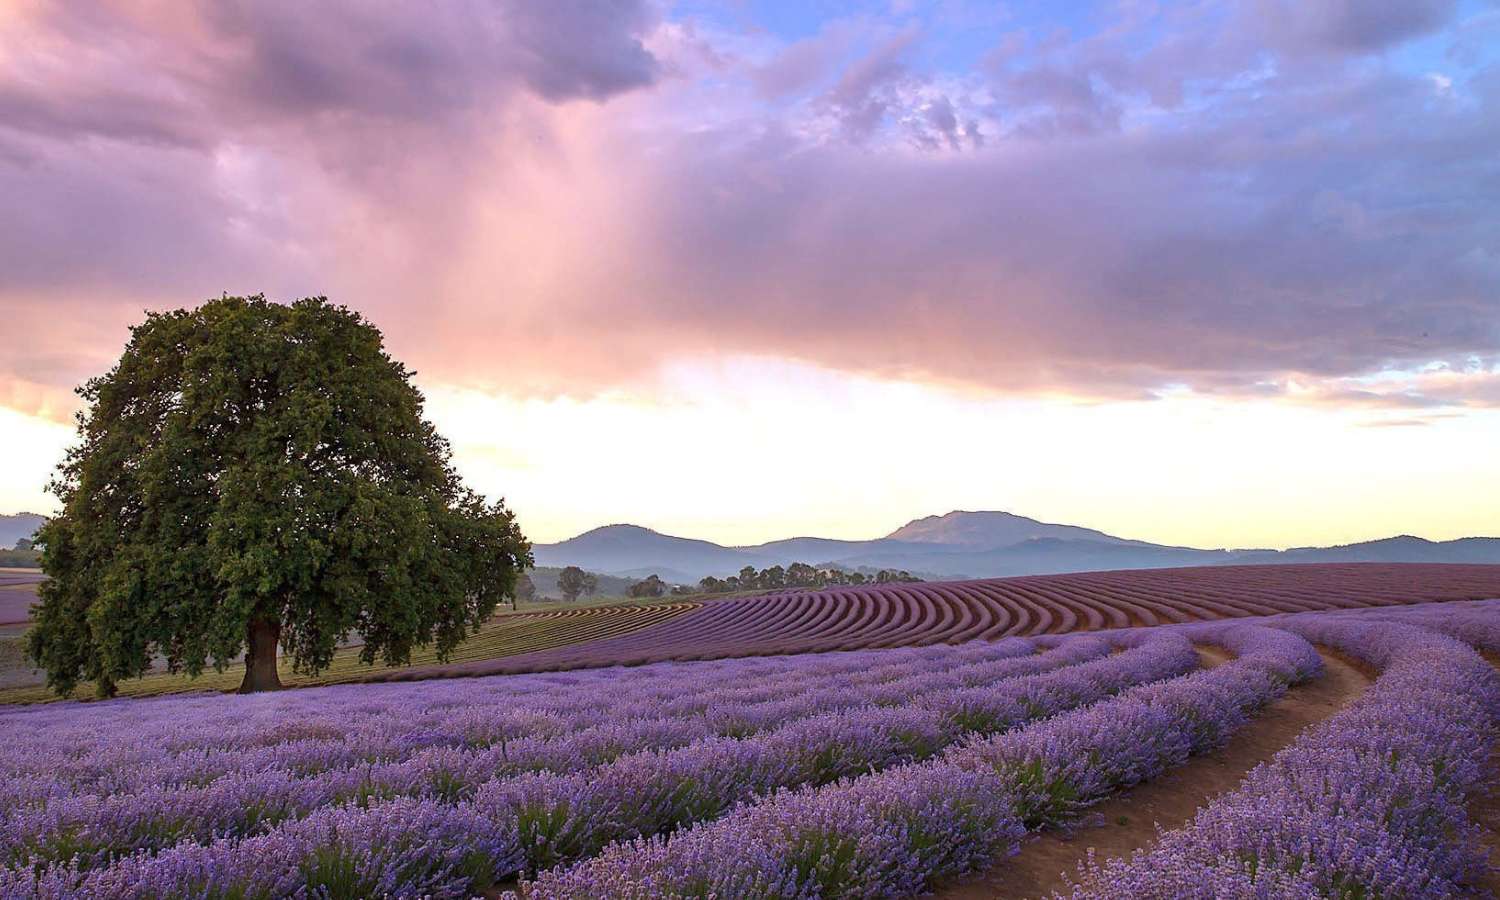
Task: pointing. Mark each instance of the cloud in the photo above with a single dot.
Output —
(801, 65)
(1344, 26)
(863, 95)
(1401, 423)
(554, 198)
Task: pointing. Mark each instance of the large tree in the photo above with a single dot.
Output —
(253, 475)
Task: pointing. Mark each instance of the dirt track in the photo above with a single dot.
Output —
(1128, 821)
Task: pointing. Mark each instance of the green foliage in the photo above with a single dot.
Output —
(20, 558)
(550, 832)
(798, 575)
(596, 584)
(246, 462)
(571, 582)
(651, 586)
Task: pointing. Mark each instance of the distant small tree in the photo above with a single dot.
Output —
(525, 591)
(571, 582)
(252, 475)
(651, 586)
(773, 578)
(749, 578)
(711, 585)
(590, 584)
(25, 544)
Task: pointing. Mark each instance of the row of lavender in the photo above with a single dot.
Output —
(949, 694)
(319, 730)
(1371, 803)
(202, 738)
(441, 842)
(413, 846)
(892, 833)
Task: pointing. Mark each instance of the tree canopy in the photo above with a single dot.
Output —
(249, 475)
(799, 575)
(571, 582)
(650, 586)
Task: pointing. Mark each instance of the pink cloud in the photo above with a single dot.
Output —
(531, 200)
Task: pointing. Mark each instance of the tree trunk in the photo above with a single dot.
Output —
(260, 657)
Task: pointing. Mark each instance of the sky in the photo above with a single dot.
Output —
(1207, 273)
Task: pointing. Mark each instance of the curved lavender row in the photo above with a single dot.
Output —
(90, 829)
(561, 818)
(382, 735)
(1029, 605)
(514, 822)
(211, 721)
(50, 761)
(1476, 623)
(1371, 803)
(889, 834)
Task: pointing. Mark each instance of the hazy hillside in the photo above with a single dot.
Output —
(628, 549)
(965, 544)
(990, 529)
(1040, 556)
(545, 580)
(20, 525)
(1404, 548)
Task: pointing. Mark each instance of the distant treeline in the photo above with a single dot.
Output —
(798, 575)
(572, 582)
(24, 556)
(547, 582)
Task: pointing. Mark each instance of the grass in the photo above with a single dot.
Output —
(536, 626)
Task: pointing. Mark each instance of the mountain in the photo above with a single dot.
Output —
(628, 549)
(988, 529)
(1402, 548)
(964, 544)
(20, 525)
(1037, 556)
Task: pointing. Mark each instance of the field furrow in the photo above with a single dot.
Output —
(926, 613)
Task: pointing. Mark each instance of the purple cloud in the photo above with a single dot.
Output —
(1169, 202)
(1343, 26)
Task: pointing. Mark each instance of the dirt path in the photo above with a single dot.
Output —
(1127, 822)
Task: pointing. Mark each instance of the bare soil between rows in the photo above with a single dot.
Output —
(1129, 821)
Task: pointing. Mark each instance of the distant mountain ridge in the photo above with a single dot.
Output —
(986, 529)
(966, 544)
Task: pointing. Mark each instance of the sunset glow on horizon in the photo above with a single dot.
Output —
(1215, 275)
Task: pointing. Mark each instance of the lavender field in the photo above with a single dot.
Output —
(872, 773)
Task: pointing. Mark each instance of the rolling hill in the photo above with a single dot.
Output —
(20, 525)
(968, 544)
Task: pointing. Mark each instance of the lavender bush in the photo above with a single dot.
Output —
(90, 829)
(859, 774)
(531, 820)
(1369, 804)
(891, 833)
